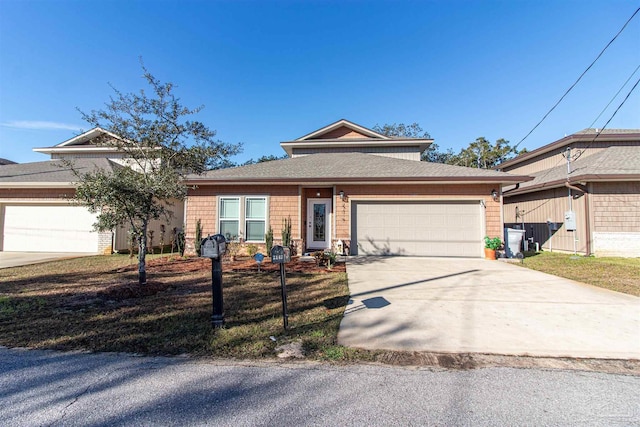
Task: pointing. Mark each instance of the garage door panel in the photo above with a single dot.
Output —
(427, 228)
(47, 228)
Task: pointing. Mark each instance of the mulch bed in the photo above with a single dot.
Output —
(191, 265)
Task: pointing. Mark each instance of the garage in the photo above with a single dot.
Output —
(48, 228)
(451, 229)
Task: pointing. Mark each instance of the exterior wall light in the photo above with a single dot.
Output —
(495, 195)
(342, 195)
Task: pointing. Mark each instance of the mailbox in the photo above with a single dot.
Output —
(213, 247)
(280, 255)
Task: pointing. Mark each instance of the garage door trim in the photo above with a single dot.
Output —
(463, 241)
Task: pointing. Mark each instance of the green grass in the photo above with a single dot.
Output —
(616, 274)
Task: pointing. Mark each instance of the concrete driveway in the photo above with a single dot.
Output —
(16, 259)
(476, 305)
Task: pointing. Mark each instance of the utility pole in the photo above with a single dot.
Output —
(570, 214)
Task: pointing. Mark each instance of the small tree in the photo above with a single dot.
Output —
(268, 238)
(163, 229)
(161, 146)
(286, 232)
(198, 242)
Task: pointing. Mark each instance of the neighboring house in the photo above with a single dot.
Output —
(36, 213)
(603, 188)
(346, 183)
(6, 162)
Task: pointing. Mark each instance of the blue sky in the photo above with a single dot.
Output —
(270, 71)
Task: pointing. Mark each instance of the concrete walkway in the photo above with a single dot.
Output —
(16, 259)
(476, 305)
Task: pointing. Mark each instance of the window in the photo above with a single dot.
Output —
(230, 218)
(243, 217)
(255, 218)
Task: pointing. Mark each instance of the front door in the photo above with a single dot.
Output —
(318, 223)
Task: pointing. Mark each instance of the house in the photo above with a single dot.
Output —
(6, 162)
(36, 213)
(347, 185)
(590, 205)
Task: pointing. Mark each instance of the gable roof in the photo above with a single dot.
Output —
(344, 133)
(51, 173)
(82, 142)
(350, 167)
(356, 128)
(617, 163)
(584, 135)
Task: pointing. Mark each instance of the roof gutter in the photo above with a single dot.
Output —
(367, 180)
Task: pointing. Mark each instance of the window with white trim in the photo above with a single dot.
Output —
(242, 217)
(255, 218)
(229, 217)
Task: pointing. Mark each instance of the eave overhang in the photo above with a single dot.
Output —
(566, 141)
(422, 144)
(21, 185)
(358, 180)
(579, 179)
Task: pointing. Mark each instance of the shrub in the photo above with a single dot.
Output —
(268, 238)
(286, 232)
(492, 243)
(252, 250)
(198, 241)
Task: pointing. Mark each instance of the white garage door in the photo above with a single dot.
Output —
(49, 229)
(417, 228)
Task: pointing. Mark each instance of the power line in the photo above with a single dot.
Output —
(594, 138)
(614, 113)
(614, 96)
(579, 78)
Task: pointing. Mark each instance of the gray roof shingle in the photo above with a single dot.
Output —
(50, 171)
(352, 166)
(618, 161)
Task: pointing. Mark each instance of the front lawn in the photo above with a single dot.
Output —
(95, 304)
(616, 274)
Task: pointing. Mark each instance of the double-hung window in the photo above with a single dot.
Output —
(243, 217)
(230, 217)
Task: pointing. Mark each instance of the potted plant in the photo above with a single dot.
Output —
(490, 246)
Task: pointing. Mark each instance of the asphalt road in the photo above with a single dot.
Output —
(41, 388)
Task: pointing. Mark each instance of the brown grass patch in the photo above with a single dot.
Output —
(95, 303)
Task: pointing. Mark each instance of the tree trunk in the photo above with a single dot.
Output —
(142, 254)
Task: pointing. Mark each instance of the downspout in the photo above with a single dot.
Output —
(586, 215)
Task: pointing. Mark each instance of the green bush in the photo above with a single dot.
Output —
(268, 238)
(286, 232)
(492, 243)
(252, 250)
(198, 241)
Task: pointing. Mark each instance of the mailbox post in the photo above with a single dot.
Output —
(280, 255)
(214, 247)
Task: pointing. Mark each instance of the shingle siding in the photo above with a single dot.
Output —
(285, 201)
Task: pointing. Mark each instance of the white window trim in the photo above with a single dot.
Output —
(242, 220)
